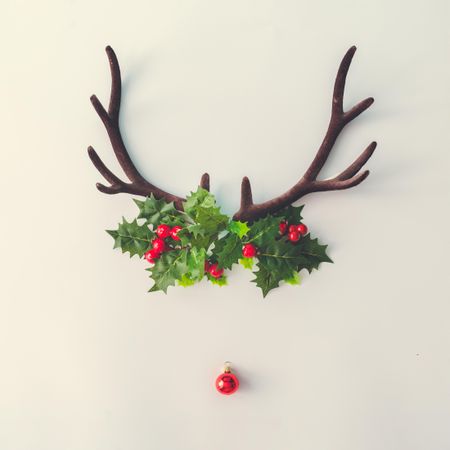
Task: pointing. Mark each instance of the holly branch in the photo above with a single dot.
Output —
(184, 246)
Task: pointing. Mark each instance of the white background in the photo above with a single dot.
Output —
(356, 358)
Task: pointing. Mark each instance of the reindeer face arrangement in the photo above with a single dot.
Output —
(188, 239)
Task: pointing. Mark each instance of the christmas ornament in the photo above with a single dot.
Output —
(227, 383)
(188, 239)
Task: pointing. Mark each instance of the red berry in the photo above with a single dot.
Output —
(174, 232)
(302, 229)
(151, 255)
(207, 266)
(215, 272)
(163, 231)
(292, 228)
(248, 251)
(294, 236)
(159, 245)
(283, 228)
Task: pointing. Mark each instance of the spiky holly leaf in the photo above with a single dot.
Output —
(211, 220)
(263, 231)
(156, 212)
(208, 220)
(239, 228)
(191, 235)
(312, 253)
(222, 281)
(228, 250)
(132, 237)
(281, 259)
(294, 279)
(168, 268)
(200, 198)
(196, 263)
(292, 214)
(247, 263)
(265, 279)
(185, 281)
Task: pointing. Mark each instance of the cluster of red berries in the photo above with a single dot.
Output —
(294, 232)
(159, 244)
(213, 269)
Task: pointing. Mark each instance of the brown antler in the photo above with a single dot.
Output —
(350, 177)
(138, 184)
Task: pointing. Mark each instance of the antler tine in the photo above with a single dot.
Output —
(246, 194)
(308, 183)
(138, 184)
(204, 181)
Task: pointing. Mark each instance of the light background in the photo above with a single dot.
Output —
(356, 358)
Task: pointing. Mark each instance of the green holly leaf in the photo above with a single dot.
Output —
(264, 231)
(168, 268)
(294, 279)
(156, 211)
(201, 198)
(196, 230)
(310, 253)
(208, 220)
(281, 260)
(211, 220)
(292, 214)
(239, 228)
(185, 281)
(228, 250)
(247, 263)
(265, 279)
(222, 281)
(132, 237)
(196, 263)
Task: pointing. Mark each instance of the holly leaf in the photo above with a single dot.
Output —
(239, 228)
(211, 220)
(264, 231)
(208, 220)
(292, 214)
(222, 281)
(201, 198)
(282, 260)
(247, 263)
(132, 237)
(310, 253)
(156, 211)
(294, 279)
(228, 250)
(185, 281)
(168, 268)
(196, 263)
(265, 279)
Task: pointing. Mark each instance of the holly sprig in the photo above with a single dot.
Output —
(184, 247)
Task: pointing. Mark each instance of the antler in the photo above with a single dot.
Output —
(350, 177)
(138, 184)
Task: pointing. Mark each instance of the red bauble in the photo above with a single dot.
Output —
(174, 232)
(302, 229)
(227, 383)
(163, 231)
(248, 251)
